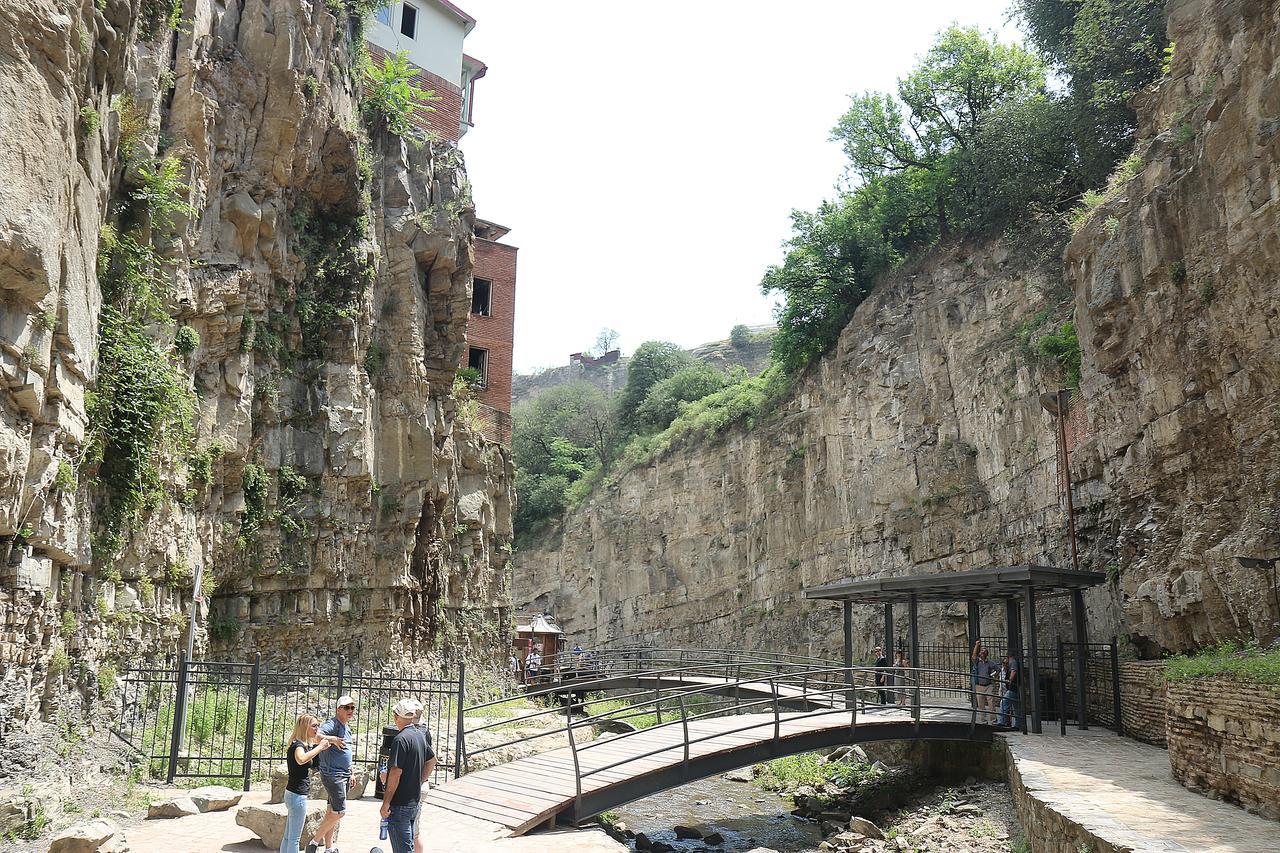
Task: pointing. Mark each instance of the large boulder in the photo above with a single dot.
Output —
(267, 822)
(176, 807)
(214, 798)
(864, 827)
(96, 836)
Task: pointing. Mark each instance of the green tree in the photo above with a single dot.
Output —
(935, 122)
(652, 362)
(1108, 50)
(559, 438)
(740, 336)
(668, 397)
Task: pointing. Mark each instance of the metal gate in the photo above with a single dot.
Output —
(229, 721)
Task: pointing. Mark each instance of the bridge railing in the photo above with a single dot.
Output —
(745, 683)
(644, 658)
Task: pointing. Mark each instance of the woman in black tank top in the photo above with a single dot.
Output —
(298, 758)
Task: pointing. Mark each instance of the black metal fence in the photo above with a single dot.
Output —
(230, 721)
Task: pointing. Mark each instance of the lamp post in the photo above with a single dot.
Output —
(1268, 564)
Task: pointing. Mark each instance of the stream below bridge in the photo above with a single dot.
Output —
(747, 817)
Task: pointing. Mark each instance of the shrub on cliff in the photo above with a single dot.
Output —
(667, 398)
(390, 96)
(652, 362)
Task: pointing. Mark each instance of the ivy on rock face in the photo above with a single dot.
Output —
(144, 402)
(338, 272)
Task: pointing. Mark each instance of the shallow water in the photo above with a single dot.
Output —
(744, 814)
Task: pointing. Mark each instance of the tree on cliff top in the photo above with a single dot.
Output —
(1107, 50)
(652, 362)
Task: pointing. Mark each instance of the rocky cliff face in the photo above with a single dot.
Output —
(919, 444)
(229, 323)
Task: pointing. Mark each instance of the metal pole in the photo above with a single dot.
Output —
(460, 747)
(888, 628)
(913, 615)
(1082, 649)
(1115, 685)
(253, 712)
(342, 665)
(1062, 690)
(1066, 476)
(577, 768)
(777, 720)
(1033, 657)
(179, 712)
(1013, 624)
(975, 636)
(848, 645)
(684, 724)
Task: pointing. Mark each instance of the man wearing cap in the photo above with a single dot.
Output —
(409, 764)
(335, 774)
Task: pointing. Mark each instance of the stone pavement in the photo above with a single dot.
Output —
(1122, 792)
(446, 832)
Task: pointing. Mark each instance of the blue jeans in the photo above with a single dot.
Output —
(400, 827)
(296, 804)
(1009, 712)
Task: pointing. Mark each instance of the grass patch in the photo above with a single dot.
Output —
(1245, 661)
(793, 771)
(1129, 169)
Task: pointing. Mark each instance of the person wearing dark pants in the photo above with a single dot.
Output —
(882, 676)
(1010, 706)
(409, 764)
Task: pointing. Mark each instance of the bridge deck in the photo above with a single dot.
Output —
(529, 791)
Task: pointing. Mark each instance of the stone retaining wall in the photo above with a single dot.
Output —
(1224, 740)
(1047, 830)
(1142, 700)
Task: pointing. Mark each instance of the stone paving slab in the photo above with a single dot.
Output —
(446, 832)
(1123, 792)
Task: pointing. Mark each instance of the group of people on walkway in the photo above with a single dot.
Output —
(532, 668)
(325, 747)
(996, 686)
(991, 680)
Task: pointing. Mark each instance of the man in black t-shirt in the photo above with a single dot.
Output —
(408, 766)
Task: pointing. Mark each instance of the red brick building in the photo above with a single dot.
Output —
(491, 327)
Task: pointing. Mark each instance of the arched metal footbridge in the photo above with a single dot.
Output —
(676, 716)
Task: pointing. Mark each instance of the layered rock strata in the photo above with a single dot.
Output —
(310, 281)
(919, 443)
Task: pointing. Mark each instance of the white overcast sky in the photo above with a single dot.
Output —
(647, 155)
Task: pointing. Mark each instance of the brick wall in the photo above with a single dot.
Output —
(445, 120)
(1224, 740)
(1142, 700)
(495, 333)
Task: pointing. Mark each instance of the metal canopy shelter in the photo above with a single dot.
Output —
(1018, 586)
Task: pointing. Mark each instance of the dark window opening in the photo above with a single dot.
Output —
(481, 297)
(409, 20)
(478, 360)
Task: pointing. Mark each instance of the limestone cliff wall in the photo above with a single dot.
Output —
(333, 488)
(919, 444)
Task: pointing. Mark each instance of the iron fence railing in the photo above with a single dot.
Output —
(230, 721)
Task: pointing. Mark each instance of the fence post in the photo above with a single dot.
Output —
(1115, 685)
(684, 724)
(777, 719)
(253, 712)
(577, 768)
(460, 747)
(179, 713)
(342, 665)
(1062, 690)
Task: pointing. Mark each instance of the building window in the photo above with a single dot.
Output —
(478, 359)
(384, 15)
(481, 297)
(408, 20)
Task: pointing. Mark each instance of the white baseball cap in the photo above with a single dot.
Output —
(407, 708)
(345, 700)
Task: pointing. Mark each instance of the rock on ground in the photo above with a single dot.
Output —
(215, 798)
(96, 836)
(176, 807)
(267, 822)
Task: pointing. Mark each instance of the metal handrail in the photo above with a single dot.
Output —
(832, 683)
